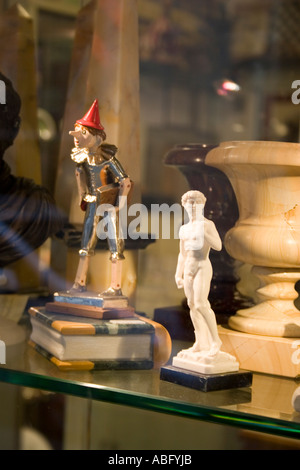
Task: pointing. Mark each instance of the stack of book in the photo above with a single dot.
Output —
(74, 342)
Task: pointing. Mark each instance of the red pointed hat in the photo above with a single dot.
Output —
(92, 118)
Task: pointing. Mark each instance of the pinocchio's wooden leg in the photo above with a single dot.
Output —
(116, 275)
(81, 274)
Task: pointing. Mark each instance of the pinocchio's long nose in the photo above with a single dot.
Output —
(74, 133)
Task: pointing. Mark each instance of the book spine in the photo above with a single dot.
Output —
(137, 325)
(144, 364)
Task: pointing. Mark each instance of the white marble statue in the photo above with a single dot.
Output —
(194, 274)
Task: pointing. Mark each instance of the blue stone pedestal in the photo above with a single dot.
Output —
(205, 382)
(89, 304)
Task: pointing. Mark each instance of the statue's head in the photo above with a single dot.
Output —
(194, 202)
(193, 196)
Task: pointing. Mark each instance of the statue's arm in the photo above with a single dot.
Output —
(123, 179)
(179, 274)
(212, 236)
(81, 185)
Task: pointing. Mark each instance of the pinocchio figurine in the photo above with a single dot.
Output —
(96, 168)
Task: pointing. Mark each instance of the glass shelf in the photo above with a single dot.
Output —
(264, 407)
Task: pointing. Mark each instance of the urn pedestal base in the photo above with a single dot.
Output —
(275, 314)
(264, 354)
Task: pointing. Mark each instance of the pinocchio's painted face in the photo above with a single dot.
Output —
(83, 138)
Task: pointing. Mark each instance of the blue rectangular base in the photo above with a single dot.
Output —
(206, 383)
(91, 299)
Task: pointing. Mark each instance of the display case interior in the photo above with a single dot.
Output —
(175, 81)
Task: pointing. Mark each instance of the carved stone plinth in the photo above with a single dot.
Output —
(104, 66)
